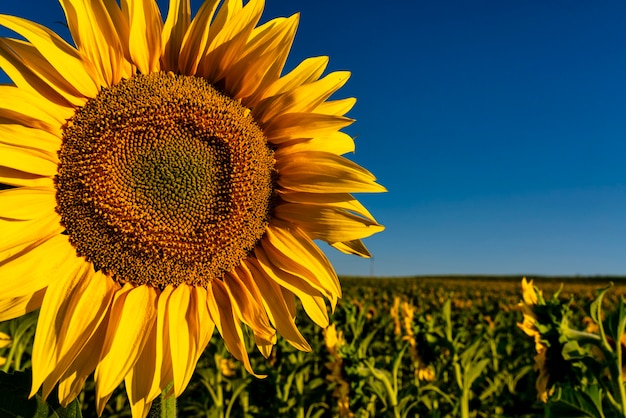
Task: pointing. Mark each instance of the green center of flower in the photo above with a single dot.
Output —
(164, 180)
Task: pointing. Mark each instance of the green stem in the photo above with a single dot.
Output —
(236, 393)
(581, 335)
(617, 377)
(460, 380)
(465, 403)
(164, 406)
(612, 400)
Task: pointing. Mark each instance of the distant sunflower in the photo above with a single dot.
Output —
(530, 325)
(168, 180)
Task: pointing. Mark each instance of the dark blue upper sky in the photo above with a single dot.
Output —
(497, 126)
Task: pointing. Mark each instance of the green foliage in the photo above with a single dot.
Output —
(582, 369)
(14, 402)
(453, 349)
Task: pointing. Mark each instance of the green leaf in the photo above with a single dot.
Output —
(71, 411)
(595, 310)
(573, 351)
(396, 366)
(432, 388)
(447, 316)
(364, 344)
(473, 372)
(379, 390)
(574, 403)
(471, 353)
(596, 314)
(614, 324)
(14, 402)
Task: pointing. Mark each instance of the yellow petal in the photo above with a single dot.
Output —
(120, 22)
(146, 26)
(303, 125)
(262, 59)
(25, 203)
(5, 340)
(179, 332)
(190, 329)
(328, 224)
(73, 381)
(73, 309)
(354, 247)
(278, 309)
(315, 308)
(307, 71)
(343, 201)
(278, 35)
(28, 160)
(290, 300)
(153, 370)
(174, 29)
(141, 377)
(222, 314)
(36, 266)
(11, 117)
(311, 299)
(244, 77)
(17, 233)
(163, 348)
(249, 308)
(133, 314)
(195, 40)
(67, 61)
(141, 407)
(528, 292)
(323, 172)
(17, 101)
(336, 107)
(15, 307)
(19, 178)
(266, 339)
(30, 71)
(229, 32)
(301, 99)
(24, 137)
(96, 36)
(337, 143)
(294, 252)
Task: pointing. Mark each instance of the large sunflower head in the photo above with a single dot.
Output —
(168, 178)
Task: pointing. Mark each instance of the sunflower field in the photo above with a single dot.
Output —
(427, 347)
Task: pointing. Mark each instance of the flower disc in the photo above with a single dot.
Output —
(164, 180)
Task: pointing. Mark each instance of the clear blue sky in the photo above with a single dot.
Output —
(498, 127)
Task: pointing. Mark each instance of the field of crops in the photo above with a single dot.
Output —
(427, 347)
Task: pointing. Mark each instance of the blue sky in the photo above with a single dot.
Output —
(498, 128)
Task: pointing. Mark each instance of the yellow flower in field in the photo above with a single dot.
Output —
(395, 314)
(334, 340)
(408, 311)
(531, 296)
(169, 179)
(544, 377)
(227, 366)
(5, 341)
(425, 372)
(529, 293)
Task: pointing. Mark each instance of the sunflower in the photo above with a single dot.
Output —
(168, 178)
(5, 341)
(530, 325)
